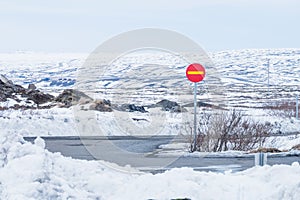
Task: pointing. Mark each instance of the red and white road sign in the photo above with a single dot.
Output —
(195, 72)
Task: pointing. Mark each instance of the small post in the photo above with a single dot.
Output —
(195, 117)
(261, 159)
(297, 107)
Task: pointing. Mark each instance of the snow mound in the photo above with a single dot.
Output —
(28, 171)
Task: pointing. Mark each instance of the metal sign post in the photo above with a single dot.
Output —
(195, 117)
(195, 73)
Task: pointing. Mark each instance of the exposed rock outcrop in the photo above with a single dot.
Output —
(70, 97)
(9, 90)
(38, 97)
(32, 98)
(202, 104)
(130, 108)
(167, 105)
(101, 105)
(31, 87)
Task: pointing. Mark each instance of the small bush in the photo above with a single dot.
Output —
(228, 130)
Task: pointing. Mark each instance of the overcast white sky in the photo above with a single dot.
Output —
(81, 25)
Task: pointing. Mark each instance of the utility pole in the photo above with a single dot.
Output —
(297, 107)
(268, 62)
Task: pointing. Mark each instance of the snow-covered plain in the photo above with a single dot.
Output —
(28, 171)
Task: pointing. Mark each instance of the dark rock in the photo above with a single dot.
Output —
(107, 102)
(10, 90)
(4, 80)
(101, 105)
(71, 97)
(31, 87)
(168, 105)
(202, 104)
(138, 119)
(38, 97)
(199, 104)
(133, 108)
(130, 108)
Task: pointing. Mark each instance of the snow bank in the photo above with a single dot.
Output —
(28, 171)
(62, 122)
(47, 122)
(283, 142)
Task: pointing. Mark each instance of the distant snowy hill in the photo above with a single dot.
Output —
(247, 67)
(46, 71)
(250, 66)
(235, 69)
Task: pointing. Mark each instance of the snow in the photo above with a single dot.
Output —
(28, 171)
(247, 66)
(62, 122)
(9, 103)
(56, 121)
(251, 65)
(243, 72)
(40, 68)
(284, 142)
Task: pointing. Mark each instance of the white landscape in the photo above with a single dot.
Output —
(30, 171)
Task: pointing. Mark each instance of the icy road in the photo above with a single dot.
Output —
(145, 154)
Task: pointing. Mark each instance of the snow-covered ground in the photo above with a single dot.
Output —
(28, 171)
(242, 72)
(283, 143)
(62, 122)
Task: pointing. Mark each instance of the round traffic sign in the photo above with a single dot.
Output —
(195, 72)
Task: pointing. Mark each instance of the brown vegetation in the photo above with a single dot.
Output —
(228, 130)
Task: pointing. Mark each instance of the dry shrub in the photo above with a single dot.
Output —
(229, 130)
